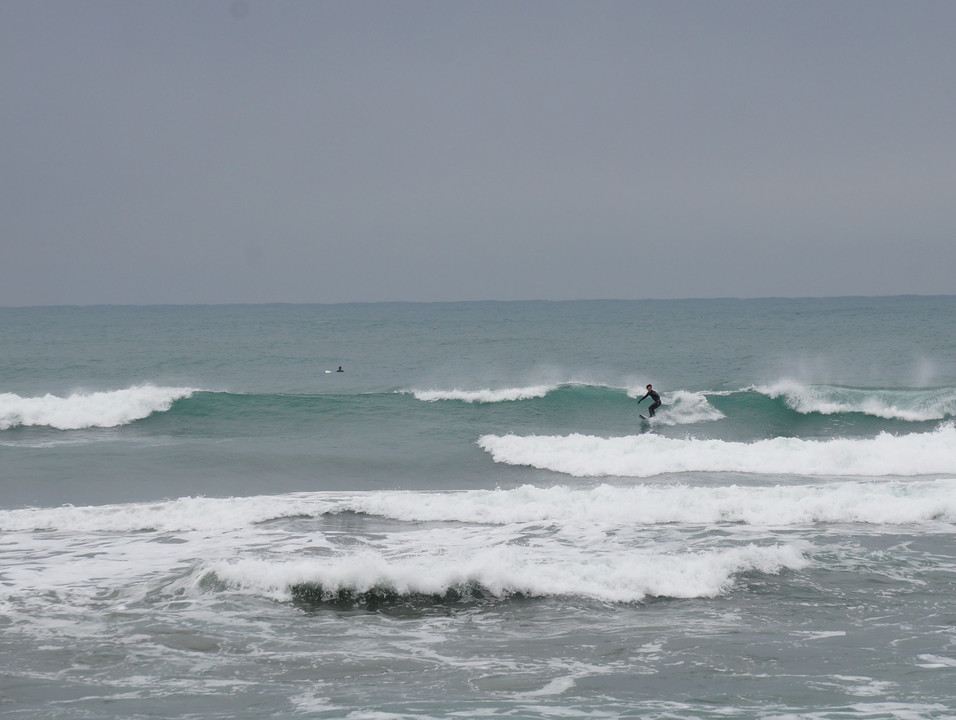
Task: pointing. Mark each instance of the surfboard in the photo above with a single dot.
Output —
(644, 418)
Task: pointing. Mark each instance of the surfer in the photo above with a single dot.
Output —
(653, 396)
(340, 369)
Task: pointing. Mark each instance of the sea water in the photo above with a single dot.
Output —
(201, 518)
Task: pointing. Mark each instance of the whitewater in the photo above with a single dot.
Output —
(647, 455)
(200, 517)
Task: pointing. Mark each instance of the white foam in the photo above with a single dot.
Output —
(651, 454)
(485, 395)
(88, 409)
(502, 570)
(682, 408)
(607, 543)
(269, 561)
(879, 502)
(180, 515)
(893, 502)
(936, 661)
(911, 405)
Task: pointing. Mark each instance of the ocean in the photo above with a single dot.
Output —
(200, 517)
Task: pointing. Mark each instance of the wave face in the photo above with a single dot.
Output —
(693, 406)
(82, 410)
(684, 407)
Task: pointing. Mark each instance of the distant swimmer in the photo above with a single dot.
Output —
(340, 369)
(653, 396)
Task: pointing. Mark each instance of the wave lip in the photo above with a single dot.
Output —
(912, 405)
(648, 455)
(82, 410)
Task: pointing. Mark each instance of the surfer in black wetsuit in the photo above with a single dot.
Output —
(653, 396)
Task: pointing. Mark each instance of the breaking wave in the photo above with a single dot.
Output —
(650, 454)
(886, 502)
(88, 409)
(913, 405)
(503, 571)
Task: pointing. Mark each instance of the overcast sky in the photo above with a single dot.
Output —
(251, 151)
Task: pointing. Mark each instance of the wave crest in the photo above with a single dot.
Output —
(502, 572)
(88, 409)
(912, 405)
(485, 395)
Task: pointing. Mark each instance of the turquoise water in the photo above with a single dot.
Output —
(201, 518)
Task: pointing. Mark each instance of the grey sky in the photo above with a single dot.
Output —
(208, 152)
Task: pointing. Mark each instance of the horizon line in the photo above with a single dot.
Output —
(727, 298)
